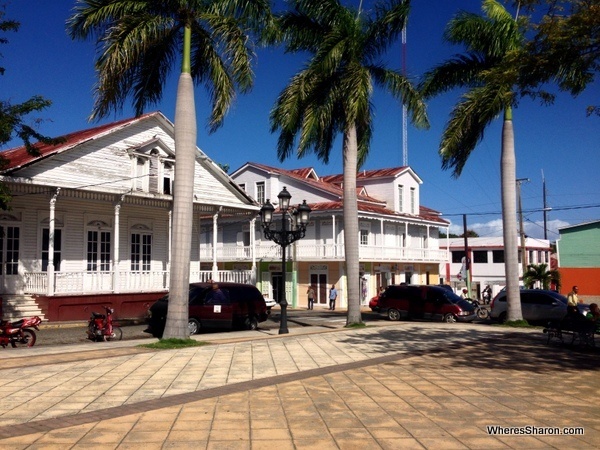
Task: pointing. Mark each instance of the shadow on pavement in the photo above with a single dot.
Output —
(484, 348)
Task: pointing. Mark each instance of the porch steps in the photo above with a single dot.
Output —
(16, 307)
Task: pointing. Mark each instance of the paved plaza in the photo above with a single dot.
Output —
(403, 385)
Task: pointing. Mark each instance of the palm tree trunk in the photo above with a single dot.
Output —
(509, 218)
(183, 198)
(350, 151)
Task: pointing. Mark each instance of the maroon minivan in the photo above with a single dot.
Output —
(424, 302)
(231, 306)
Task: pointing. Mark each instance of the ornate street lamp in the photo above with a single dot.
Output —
(284, 237)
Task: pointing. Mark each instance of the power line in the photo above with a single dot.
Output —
(529, 211)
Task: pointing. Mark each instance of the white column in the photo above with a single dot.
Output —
(382, 230)
(333, 234)
(169, 237)
(51, 226)
(215, 268)
(253, 245)
(116, 254)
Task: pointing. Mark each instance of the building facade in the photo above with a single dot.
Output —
(578, 249)
(90, 221)
(487, 262)
(399, 238)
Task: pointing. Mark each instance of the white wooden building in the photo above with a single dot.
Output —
(399, 238)
(90, 220)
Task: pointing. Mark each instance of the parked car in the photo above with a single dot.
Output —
(537, 305)
(374, 303)
(270, 303)
(226, 306)
(424, 302)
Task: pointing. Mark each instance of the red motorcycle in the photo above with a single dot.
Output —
(102, 328)
(19, 332)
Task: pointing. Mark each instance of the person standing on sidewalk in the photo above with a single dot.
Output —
(311, 297)
(573, 300)
(332, 297)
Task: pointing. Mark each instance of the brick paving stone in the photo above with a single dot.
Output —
(410, 385)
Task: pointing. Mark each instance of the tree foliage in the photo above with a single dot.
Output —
(566, 47)
(540, 273)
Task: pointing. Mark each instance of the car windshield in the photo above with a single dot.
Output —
(452, 297)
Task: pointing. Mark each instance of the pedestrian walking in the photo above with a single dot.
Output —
(332, 297)
(311, 297)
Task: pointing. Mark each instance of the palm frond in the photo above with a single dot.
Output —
(460, 71)
(383, 30)
(467, 124)
(402, 89)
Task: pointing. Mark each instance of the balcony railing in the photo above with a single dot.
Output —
(104, 282)
(304, 251)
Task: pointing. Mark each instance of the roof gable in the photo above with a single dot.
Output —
(132, 156)
(19, 157)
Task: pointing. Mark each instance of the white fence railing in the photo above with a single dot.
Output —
(304, 251)
(103, 282)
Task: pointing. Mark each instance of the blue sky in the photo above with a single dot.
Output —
(558, 141)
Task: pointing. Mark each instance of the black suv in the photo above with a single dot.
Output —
(214, 305)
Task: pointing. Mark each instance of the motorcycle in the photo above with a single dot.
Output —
(102, 328)
(19, 332)
(482, 312)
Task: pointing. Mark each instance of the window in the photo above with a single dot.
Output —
(57, 248)
(413, 201)
(141, 251)
(480, 256)
(242, 186)
(168, 174)
(498, 256)
(364, 237)
(98, 250)
(260, 192)
(400, 198)
(9, 250)
(140, 181)
(457, 256)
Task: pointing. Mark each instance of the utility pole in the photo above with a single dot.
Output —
(467, 259)
(521, 229)
(546, 209)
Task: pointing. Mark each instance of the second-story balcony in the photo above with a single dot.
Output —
(306, 251)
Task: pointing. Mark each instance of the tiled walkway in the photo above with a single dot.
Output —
(409, 385)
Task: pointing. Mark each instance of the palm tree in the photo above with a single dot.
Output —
(487, 69)
(540, 273)
(332, 95)
(139, 43)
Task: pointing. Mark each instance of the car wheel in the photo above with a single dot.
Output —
(393, 314)
(193, 326)
(251, 323)
(449, 318)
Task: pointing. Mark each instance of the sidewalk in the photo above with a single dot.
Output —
(404, 385)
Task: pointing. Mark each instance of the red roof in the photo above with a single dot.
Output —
(366, 174)
(19, 157)
(300, 174)
(365, 203)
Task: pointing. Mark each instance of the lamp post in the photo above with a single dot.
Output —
(284, 237)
